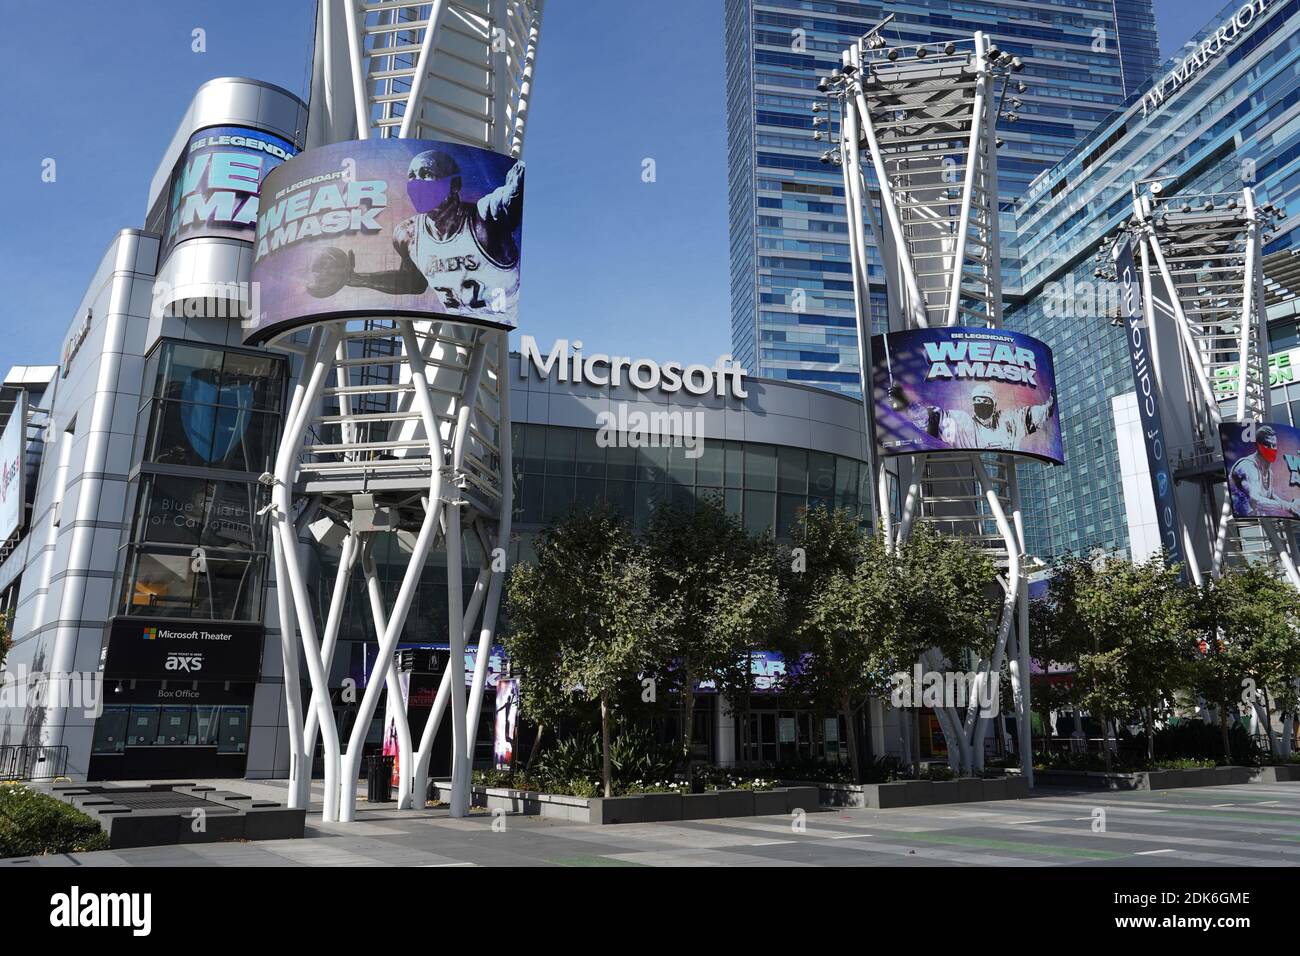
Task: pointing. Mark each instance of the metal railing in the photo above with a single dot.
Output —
(32, 762)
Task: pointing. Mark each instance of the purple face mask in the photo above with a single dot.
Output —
(428, 194)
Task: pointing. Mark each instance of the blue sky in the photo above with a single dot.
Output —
(626, 265)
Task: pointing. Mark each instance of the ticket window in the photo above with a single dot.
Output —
(111, 730)
(143, 728)
(203, 727)
(232, 730)
(174, 726)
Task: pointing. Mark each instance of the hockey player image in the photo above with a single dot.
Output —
(464, 251)
(985, 427)
(1250, 481)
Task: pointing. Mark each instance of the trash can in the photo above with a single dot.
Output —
(379, 779)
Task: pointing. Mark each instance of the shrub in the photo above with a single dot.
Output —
(819, 770)
(1183, 763)
(33, 824)
(1195, 738)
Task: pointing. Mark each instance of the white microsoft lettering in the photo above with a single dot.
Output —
(566, 361)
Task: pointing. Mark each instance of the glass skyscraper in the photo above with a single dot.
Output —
(791, 287)
(1234, 121)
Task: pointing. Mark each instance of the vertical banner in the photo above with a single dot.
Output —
(391, 748)
(13, 468)
(506, 724)
(1162, 479)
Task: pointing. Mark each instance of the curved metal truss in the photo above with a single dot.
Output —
(398, 433)
(423, 456)
(1202, 266)
(454, 70)
(925, 122)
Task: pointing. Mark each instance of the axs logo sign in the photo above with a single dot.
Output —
(190, 663)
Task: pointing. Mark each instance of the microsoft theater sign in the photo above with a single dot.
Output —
(1229, 32)
(569, 364)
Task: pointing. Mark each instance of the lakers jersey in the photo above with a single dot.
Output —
(459, 271)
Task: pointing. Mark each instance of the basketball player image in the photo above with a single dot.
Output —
(985, 427)
(463, 251)
(1250, 482)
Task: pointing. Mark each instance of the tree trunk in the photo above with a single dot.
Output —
(688, 716)
(1151, 734)
(1266, 712)
(916, 737)
(1223, 730)
(855, 761)
(606, 771)
(1105, 739)
(537, 745)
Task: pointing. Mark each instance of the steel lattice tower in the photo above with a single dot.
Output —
(1201, 269)
(400, 428)
(924, 122)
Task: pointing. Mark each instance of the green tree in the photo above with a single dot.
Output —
(946, 615)
(581, 620)
(6, 636)
(839, 599)
(1250, 647)
(716, 590)
(1126, 629)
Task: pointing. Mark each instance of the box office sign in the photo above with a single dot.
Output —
(183, 650)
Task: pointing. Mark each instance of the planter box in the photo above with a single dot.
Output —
(769, 802)
(702, 806)
(736, 803)
(970, 790)
(1164, 779)
(920, 793)
(807, 799)
(641, 808)
(913, 793)
(1286, 773)
(945, 791)
(659, 807)
(614, 810)
(1156, 779)
(995, 789)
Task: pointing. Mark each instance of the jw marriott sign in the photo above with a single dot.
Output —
(1228, 33)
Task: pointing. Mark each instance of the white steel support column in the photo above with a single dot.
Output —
(928, 117)
(398, 431)
(1202, 253)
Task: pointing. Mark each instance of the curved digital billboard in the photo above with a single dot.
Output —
(213, 190)
(1261, 461)
(417, 228)
(961, 388)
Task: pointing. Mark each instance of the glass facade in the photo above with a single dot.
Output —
(765, 485)
(1236, 122)
(207, 427)
(792, 292)
(556, 467)
(223, 727)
